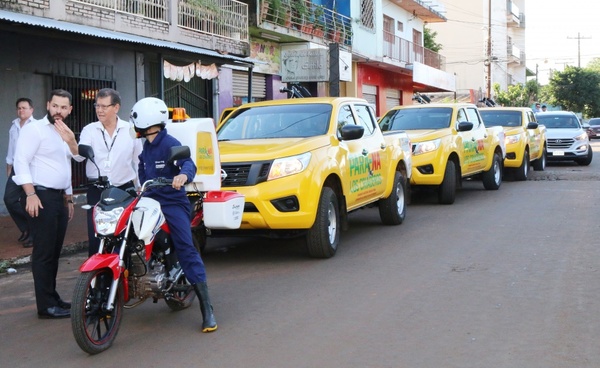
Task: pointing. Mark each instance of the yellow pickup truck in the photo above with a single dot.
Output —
(449, 142)
(525, 139)
(304, 164)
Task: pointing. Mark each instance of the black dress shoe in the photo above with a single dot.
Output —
(23, 237)
(54, 313)
(63, 304)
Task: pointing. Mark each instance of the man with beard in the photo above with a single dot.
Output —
(116, 152)
(43, 169)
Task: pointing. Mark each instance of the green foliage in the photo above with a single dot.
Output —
(576, 89)
(518, 95)
(594, 65)
(429, 40)
(319, 14)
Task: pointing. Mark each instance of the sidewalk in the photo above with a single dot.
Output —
(12, 253)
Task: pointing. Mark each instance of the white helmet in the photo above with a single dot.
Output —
(148, 112)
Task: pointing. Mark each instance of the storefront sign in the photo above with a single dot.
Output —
(305, 65)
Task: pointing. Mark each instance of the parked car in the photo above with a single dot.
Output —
(525, 139)
(449, 143)
(304, 164)
(593, 128)
(566, 139)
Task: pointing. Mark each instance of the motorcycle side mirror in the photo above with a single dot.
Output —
(88, 152)
(179, 153)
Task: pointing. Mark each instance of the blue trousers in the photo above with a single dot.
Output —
(178, 219)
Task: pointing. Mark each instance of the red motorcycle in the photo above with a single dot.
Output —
(135, 262)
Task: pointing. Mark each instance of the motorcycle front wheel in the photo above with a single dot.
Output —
(94, 327)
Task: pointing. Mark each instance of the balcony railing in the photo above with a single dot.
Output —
(314, 22)
(153, 9)
(224, 18)
(400, 49)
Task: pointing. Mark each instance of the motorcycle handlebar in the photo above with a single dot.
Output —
(157, 182)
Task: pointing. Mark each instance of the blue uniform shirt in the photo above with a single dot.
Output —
(153, 164)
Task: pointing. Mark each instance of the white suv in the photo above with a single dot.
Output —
(565, 137)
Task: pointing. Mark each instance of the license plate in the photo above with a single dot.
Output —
(558, 153)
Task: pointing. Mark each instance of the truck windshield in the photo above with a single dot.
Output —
(279, 121)
(501, 118)
(419, 118)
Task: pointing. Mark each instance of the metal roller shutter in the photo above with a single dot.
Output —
(392, 98)
(240, 84)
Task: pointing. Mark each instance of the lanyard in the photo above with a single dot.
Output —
(113, 140)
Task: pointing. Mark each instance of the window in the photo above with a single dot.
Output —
(365, 119)
(400, 26)
(474, 117)
(388, 29)
(461, 116)
(367, 14)
(344, 117)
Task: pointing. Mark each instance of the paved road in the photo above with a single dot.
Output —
(506, 278)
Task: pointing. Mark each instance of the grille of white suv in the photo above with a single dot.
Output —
(560, 143)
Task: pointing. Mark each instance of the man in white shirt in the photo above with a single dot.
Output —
(43, 169)
(116, 152)
(12, 191)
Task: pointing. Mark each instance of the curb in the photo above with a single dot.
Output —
(24, 261)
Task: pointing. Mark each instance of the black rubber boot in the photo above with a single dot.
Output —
(209, 323)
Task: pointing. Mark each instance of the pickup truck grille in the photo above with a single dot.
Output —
(560, 143)
(239, 175)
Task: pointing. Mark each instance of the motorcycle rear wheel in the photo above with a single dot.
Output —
(94, 327)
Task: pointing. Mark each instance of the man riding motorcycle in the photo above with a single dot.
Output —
(149, 116)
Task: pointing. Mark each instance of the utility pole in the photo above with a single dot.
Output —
(489, 52)
(579, 38)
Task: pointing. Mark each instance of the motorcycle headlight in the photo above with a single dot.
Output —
(510, 139)
(106, 221)
(289, 166)
(424, 147)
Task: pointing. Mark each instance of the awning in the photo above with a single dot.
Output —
(112, 35)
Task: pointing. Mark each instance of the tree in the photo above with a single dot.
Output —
(576, 89)
(517, 95)
(594, 65)
(429, 40)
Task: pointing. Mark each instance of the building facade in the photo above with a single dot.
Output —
(484, 44)
(142, 48)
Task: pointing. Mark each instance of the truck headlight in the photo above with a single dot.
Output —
(581, 137)
(106, 221)
(428, 146)
(512, 139)
(289, 166)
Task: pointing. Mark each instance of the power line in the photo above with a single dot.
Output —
(579, 38)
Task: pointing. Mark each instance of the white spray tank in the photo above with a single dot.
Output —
(200, 136)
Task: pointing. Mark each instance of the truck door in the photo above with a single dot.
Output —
(479, 138)
(470, 149)
(535, 144)
(365, 171)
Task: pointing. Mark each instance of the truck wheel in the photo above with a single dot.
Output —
(392, 209)
(540, 163)
(323, 237)
(493, 177)
(522, 171)
(447, 190)
(588, 160)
